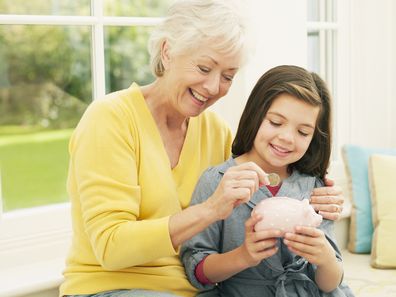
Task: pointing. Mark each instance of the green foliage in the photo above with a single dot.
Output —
(57, 7)
(34, 169)
(39, 54)
(46, 84)
(149, 8)
(126, 57)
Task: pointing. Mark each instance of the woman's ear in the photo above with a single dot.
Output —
(165, 57)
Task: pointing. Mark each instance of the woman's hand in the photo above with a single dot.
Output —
(328, 200)
(257, 245)
(237, 186)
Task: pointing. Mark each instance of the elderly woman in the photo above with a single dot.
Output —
(137, 154)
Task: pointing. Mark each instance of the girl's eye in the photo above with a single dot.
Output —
(204, 69)
(302, 133)
(276, 124)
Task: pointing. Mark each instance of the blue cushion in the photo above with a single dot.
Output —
(356, 164)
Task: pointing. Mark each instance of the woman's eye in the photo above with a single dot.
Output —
(204, 69)
(228, 77)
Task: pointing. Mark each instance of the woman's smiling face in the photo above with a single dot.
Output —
(199, 78)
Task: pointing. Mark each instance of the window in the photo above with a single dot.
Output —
(322, 30)
(322, 33)
(56, 57)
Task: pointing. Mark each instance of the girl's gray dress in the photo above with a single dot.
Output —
(284, 274)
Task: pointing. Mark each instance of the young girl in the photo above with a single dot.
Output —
(286, 129)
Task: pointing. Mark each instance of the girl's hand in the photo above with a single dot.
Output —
(237, 186)
(310, 243)
(258, 245)
(328, 200)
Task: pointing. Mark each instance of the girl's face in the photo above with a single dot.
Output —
(285, 134)
(198, 79)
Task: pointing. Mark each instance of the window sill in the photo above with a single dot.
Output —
(33, 247)
(28, 279)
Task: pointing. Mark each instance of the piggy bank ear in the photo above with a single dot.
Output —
(305, 201)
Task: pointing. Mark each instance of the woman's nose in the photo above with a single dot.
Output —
(212, 84)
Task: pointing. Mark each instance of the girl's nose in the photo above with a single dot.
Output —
(286, 136)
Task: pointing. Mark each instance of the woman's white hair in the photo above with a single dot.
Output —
(193, 24)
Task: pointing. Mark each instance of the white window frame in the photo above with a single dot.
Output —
(34, 238)
(334, 66)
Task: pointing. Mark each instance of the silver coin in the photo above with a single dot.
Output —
(274, 179)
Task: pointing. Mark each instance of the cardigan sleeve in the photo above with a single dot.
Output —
(208, 241)
(104, 169)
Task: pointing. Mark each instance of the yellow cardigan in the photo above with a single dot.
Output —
(123, 190)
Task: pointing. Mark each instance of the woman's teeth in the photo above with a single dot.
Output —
(198, 96)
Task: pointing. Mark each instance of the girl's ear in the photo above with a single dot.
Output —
(165, 57)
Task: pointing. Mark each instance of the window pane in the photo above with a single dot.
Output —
(321, 54)
(45, 84)
(45, 7)
(313, 10)
(321, 10)
(127, 58)
(149, 8)
(313, 52)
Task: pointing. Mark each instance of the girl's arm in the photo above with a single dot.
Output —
(311, 243)
(256, 247)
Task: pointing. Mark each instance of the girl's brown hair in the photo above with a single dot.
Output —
(306, 86)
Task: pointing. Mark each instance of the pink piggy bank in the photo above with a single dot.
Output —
(285, 213)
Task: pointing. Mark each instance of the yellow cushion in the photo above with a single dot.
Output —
(382, 177)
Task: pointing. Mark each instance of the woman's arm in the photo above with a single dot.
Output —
(237, 186)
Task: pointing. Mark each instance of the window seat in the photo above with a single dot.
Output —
(41, 278)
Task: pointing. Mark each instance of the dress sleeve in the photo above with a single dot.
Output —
(105, 181)
(208, 241)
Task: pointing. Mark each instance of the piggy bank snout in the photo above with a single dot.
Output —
(314, 218)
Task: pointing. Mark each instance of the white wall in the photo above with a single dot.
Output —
(366, 101)
(372, 62)
(280, 38)
(392, 17)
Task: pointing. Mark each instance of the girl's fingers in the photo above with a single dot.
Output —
(251, 222)
(268, 252)
(266, 234)
(305, 230)
(300, 246)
